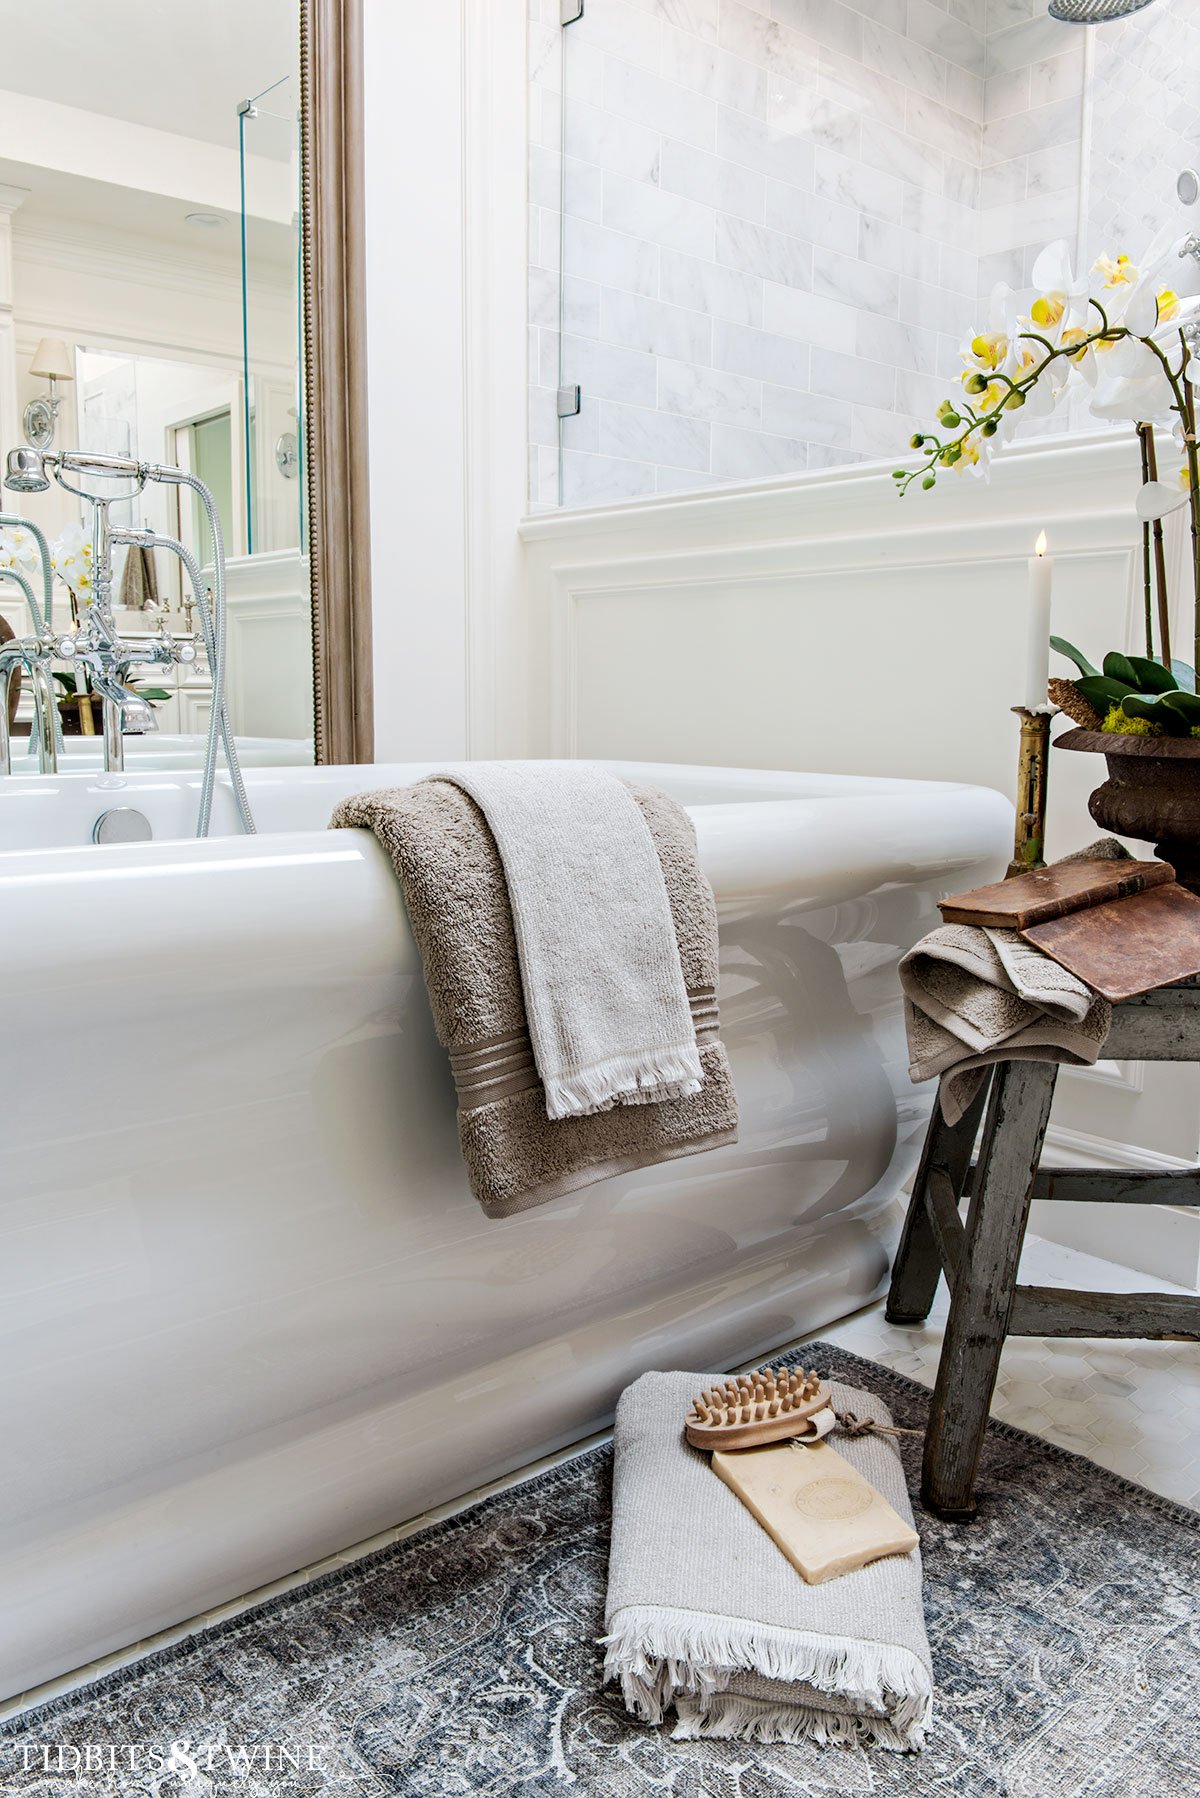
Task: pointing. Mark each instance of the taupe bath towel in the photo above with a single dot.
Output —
(453, 883)
(705, 1614)
(974, 997)
(607, 1009)
(139, 578)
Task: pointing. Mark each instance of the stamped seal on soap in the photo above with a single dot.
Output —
(829, 1500)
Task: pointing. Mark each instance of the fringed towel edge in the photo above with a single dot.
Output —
(661, 1655)
(640, 1079)
(732, 1716)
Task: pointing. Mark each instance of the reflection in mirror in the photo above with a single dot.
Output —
(151, 309)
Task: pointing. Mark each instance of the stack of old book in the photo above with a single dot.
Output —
(1123, 927)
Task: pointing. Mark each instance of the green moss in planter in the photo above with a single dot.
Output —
(1119, 724)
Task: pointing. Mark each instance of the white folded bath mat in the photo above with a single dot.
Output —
(608, 1011)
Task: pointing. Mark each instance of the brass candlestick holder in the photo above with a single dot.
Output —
(1032, 774)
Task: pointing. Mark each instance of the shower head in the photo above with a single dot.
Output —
(26, 471)
(1094, 12)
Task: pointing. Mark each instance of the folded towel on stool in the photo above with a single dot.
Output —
(973, 997)
(453, 882)
(705, 1613)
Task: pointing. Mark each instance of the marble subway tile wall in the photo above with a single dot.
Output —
(769, 254)
(1145, 104)
(1032, 134)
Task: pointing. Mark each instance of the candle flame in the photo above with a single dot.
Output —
(1039, 548)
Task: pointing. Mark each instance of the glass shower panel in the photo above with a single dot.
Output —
(768, 234)
(760, 243)
(270, 471)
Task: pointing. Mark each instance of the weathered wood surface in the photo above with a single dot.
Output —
(1160, 1026)
(1055, 1311)
(1117, 1186)
(918, 1266)
(982, 1299)
(941, 1203)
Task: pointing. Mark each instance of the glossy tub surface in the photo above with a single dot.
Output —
(250, 1311)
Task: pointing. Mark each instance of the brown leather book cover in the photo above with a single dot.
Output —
(1127, 946)
(1052, 892)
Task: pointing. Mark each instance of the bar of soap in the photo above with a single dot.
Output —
(815, 1507)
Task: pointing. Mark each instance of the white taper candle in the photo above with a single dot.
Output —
(1037, 653)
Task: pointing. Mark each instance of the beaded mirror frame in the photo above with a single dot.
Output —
(333, 254)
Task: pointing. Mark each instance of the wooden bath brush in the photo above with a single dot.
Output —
(755, 1408)
(817, 1509)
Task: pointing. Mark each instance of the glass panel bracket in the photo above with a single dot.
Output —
(570, 11)
(570, 399)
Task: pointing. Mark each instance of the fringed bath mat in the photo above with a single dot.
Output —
(1065, 1627)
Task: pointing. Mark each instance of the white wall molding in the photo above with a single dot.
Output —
(1048, 467)
(64, 245)
(160, 303)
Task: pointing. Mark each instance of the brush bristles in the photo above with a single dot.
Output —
(752, 1398)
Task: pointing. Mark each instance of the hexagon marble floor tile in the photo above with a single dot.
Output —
(1132, 1406)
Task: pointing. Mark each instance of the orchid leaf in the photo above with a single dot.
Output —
(1102, 692)
(1118, 666)
(1155, 708)
(1151, 676)
(1186, 704)
(1073, 655)
(1185, 675)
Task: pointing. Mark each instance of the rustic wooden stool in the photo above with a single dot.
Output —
(980, 1258)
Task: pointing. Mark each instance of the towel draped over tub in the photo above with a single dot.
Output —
(453, 881)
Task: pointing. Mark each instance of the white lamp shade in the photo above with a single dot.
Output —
(52, 361)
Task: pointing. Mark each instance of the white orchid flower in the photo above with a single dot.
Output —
(71, 544)
(1132, 385)
(18, 549)
(1059, 290)
(1156, 498)
(1166, 287)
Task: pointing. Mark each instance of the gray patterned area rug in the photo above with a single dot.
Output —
(1065, 1627)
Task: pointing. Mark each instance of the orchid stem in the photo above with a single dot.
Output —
(1143, 431)
(1193, 462)
(1160, 559)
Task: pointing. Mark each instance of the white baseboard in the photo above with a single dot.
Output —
(1163, 1240)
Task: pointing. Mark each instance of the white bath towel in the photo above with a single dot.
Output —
(608, 1011)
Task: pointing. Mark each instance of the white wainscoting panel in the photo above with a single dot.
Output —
(270, 645)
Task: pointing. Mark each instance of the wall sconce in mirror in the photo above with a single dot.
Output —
(287, 455)
(51, 362)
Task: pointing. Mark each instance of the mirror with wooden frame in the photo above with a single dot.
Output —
(181, 281)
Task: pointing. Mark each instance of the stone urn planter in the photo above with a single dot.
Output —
(1152, 792)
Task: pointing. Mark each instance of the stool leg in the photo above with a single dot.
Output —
(981, 1301)
(917, 1267)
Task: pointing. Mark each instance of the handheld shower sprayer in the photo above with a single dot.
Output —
(26, 471)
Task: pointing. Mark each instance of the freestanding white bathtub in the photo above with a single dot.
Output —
(250, 1311)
